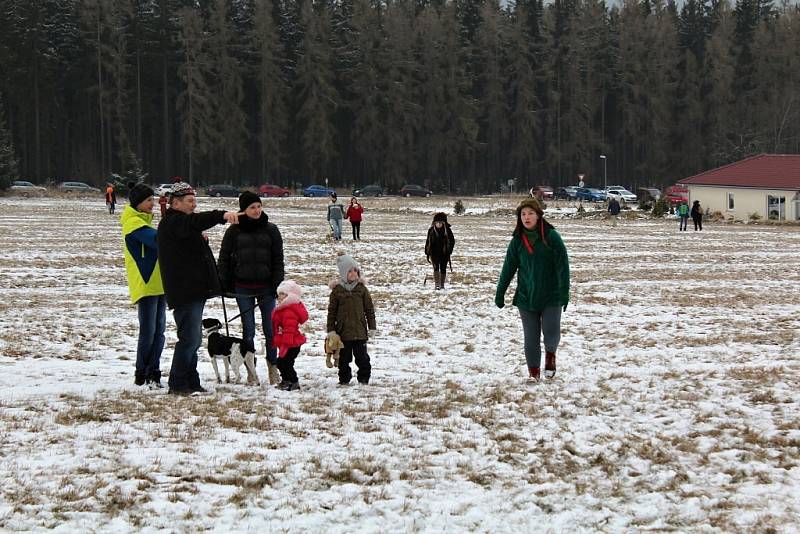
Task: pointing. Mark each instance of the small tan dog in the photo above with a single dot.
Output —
(333, 344)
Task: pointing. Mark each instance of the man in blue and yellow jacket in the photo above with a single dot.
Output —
(140, 246)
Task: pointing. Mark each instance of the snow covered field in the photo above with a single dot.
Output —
(675, 405)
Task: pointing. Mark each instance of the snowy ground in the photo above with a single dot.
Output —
(675, 406)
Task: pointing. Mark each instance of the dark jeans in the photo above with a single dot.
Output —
(286, 365)
(357, 349)
(356, 230)
(189, 320)
(439, 264)
(536, 324)
(684, 220)
(698, 223)
(152, 322)
(246, 300)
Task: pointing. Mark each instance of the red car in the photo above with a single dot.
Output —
(269, 190)
(675, 194)
(541, 192)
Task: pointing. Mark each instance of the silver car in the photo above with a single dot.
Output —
(78, 187)
(622, 195)
(27, 188)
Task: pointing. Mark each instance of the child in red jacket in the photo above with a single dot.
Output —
(287, 317)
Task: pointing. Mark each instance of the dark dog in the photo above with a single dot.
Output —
(222, 346)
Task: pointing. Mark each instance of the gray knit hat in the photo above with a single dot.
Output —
(345, 263)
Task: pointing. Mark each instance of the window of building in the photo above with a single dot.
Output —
(776, 208)
(730, 201)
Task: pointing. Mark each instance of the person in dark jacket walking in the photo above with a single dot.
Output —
(350, 314)
(251, 267)
(537, 253)
(189, 274)
(613, 210)
(697, 215)
(439, 248)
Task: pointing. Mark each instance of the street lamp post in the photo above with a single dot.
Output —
(605, 174)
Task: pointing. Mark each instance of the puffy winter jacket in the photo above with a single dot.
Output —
(543, 273)
(440, 243)
(251, 254)
(350, 313)
(140, 247)
(286, 320)
(188, 269)
(354, 213)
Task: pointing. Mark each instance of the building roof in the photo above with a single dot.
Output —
(763, 171)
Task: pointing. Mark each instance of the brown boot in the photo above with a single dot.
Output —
(442, 277)
(437, 280)
(533, 374)
(549, 364)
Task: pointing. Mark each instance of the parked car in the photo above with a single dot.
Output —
(622, 195)
(541, 192)
(318, 191)
(411, 190)
(270, 190)
(368, 191)
(648, 195)
(163, 190)
(566, 193)
(222, 190)
(675, 194)
(77, 187)
(26, 188)
(591, 194)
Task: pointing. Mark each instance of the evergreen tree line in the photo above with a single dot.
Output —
(458, 95)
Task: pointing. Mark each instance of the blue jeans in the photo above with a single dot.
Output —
(189, 320)
(152, 322)
(337, 228)
(246, 299)
(536, 324)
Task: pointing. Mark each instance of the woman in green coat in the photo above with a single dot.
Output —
(538, 256)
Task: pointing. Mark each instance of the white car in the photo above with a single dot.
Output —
(27, 188)
(622, 195)
(163, 190)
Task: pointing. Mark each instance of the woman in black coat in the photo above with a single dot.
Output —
(251, 267)
(439, 247)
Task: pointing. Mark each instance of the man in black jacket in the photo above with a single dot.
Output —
(190, 277)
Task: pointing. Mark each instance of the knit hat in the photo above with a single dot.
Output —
(139, 193)
(441, 216)
(247, 198)
(345, 263)
(181, 189)
(333, 196)
(531, 203)
(289, 288)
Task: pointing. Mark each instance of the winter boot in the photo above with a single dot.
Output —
(533, 374)
(154, 380)
(437, 278)
(139, 379)
(442, 277)
(550, 364)
(250, 365)
(273, 374)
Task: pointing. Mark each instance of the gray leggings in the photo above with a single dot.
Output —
(535, 324)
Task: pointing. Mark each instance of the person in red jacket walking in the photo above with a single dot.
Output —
(355, 212)
(287, 317)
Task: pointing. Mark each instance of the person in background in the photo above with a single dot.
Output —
(613, 210)
(355, 212)
(697, 215)
(335, 216)
(683, 213)
(251, 267)
(111, 199)
(439, 247)
(537, 255)
(139, 245)
(189, 274)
